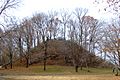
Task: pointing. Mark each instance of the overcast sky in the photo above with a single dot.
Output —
(29, 7)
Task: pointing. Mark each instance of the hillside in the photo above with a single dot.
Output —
(60, 52)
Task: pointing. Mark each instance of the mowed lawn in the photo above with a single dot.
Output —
(57, 73)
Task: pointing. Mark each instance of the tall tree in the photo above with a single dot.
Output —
(80, 14)
(40, 24)
(27, 30)
(112, 45)
(65, 19)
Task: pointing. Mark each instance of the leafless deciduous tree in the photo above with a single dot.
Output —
(27, 38)
(112, 45)
(80, 14)
(65, 16)
(6, 6)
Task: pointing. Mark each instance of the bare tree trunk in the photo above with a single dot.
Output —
(11, 61)
(119, 58)
(87, 66)
(81, 67)
(81, 64)
(76, 68)
(28, 53)
(10, 51)
(21, 49)
(34, 42)
(45, 54)
(64, 32)
(50, 35)
(45, 61)
(27, 62)
(38, 40)
(118, 53)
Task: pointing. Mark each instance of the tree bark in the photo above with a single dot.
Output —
(45, 63)
(119, 58)
(28, 53)
(45, 54)
(76, 68)
(21, 49)
(11, 61)
(27, 62)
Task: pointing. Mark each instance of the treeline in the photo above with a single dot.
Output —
(96, 37)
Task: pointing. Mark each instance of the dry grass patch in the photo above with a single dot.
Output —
(68, 77)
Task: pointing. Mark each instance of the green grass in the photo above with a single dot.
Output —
(54, 69)
(54, 72)
(70, 70)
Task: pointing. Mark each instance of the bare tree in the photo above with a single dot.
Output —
(65, 19)
(39, 22)
(27, 30)
(80, 14)
(52, 25)
(112, 45)
(5, 7)
(10, 48)
(75, 48)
